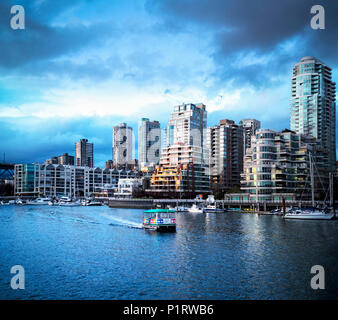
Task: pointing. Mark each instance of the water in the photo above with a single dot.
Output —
(103, 253)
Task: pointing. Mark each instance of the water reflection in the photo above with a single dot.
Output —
(102, 253)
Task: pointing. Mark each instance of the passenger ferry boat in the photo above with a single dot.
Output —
(160, 220)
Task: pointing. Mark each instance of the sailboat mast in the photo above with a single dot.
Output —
(312, 181)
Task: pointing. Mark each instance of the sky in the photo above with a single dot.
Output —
(82, 66)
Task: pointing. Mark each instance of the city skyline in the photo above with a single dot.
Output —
(100, 73)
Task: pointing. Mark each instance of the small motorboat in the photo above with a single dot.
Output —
(212, 208)
(19, 201)
(195, 209)
(91, 203)
(276, 211)
(68, 202)
(39, 201)
(160, 220)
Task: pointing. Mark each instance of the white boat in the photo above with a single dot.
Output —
(309, 214)
(39, 201)
(212, 208)
(180, 209)
(91, 203)
(19, 201)
(195, 209)
(65, 199)
(67, 202)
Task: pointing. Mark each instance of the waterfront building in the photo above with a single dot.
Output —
(84, 153)
(224, 143)
(181, 173)
(186, 125)
(57, 180)
(122, 150)
(127, 187)
(249, 127)
(149, 142)
(313, 104)
(279, 163)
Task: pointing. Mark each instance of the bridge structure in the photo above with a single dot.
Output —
(6, 171)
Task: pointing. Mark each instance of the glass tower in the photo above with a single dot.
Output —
(313, 104)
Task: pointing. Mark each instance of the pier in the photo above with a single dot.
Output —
(261, 206)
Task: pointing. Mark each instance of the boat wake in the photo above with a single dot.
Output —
(120, 222)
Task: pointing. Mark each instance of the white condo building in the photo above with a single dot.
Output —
(313, 104)
(149, 142)
(186, 125)
(122, 150)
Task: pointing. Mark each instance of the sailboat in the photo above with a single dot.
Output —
(310, 213)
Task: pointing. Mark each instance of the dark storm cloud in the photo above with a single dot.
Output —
(259, 27)
(40, 41)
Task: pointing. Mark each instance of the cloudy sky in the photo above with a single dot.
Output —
(80, 67)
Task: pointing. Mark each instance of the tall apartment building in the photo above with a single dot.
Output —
(122, 145)
(313, 104)
(225, 151)
(58, 180)
(66, 159)
(149, 142)
(84, 153)
(181, 173)
(249, 127)
(186, 125)
(278, 163)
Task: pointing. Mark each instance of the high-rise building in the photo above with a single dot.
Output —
(224, 143)
(122, 145)
(84, 153)
(66, 159)
(186, 125)
(249, 126)
(149, 142)
(181, 173)
(313, 104)
(278, 165)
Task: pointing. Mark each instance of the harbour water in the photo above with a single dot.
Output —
(103, 253)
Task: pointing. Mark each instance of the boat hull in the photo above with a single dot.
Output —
(214, 210)
(300, 216)
(160, 228)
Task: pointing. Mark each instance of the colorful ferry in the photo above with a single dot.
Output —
(160, 220)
